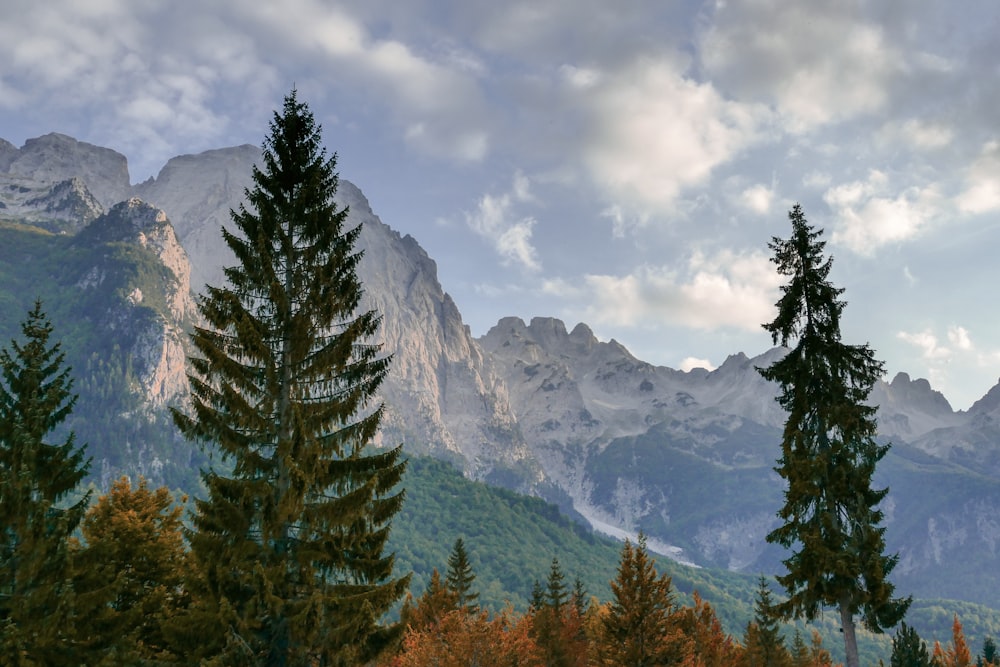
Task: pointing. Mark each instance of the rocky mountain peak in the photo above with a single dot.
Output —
(62, 207)
(135, 221)
(54, 157)
(988, 404)
(198, 191)
(8, 152)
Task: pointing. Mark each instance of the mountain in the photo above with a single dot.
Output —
(686, 457)
(441, 396)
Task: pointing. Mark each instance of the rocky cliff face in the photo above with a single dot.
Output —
(159, 351)
(197, 192)
(63, 186)
(61, 207)
(54, 158)
(442, 396)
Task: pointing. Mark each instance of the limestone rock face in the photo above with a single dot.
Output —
(441, 396)
(159, 351)
(55, 157)
(62, 207)
(197, 192)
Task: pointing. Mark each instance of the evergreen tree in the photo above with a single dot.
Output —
(537, 596)
(291, 541)
(36, 480)
(762, 641)
(460, 576)
(989, 655)
(637, 628)
(551, 620)
(556, 594)
(579, 598)
(830, 517)
(129, 574)
(799, 650)
(908, 649)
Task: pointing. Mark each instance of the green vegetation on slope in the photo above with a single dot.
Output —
(511, 540)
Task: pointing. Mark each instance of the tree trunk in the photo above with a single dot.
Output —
(850, 640)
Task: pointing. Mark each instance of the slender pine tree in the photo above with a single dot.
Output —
(291, 541)
(36, 480)
(637, 628)
(830, 517)
(762, 642)
(459, 577)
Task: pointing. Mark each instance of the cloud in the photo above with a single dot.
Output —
(817, 63)
(982, 179)
(650, 132)
(690, 363)
(492, 220)
(155, 79)
(435, 97)
(916, 133)
(725, 291)
(959, 337)
(869, 214)
(928, 344)
(757, 198)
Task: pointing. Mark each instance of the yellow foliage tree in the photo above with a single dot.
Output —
(129, 572)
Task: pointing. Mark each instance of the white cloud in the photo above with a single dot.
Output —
(816, 179)
(651, 132)
(817, 62)
(982, 192)
(869, 215)
(724, 291)
(758, 198)
(928, 344)
(959, 337)
(915, 133)
(492, 220)
(690, 363)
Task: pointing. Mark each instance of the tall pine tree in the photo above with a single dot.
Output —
(637, 628)
(291, 541)
(36, 480)
(460, 577)
(762, 642)
(830, 517)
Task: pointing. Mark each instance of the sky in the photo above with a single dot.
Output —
(622, 164)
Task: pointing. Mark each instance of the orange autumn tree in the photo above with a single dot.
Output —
(430, 608)
(636, 629)
(461, 639)
(703, 643)
(957, 654)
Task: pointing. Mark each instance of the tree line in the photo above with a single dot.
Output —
(285, 563)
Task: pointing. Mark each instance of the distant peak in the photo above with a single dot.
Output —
(548, 325)
(582, 332)
(900, 379)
